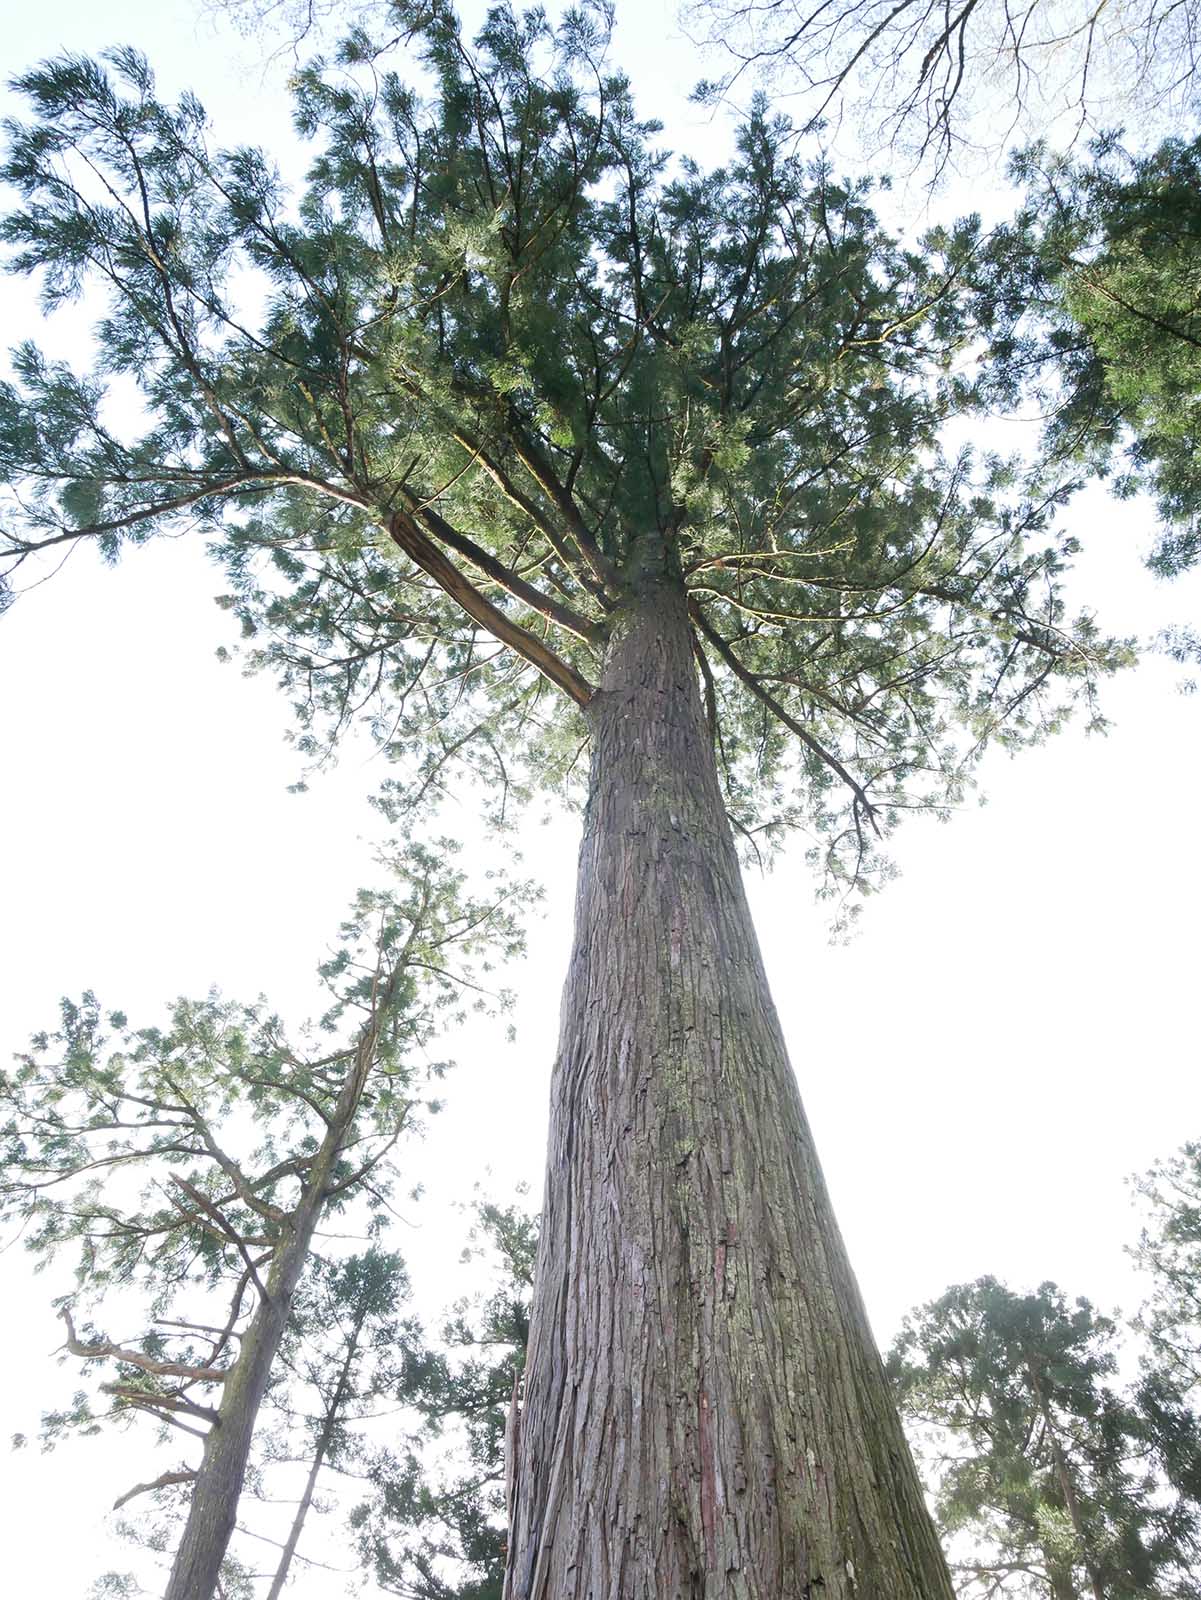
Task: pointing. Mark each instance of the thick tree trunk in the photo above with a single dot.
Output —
(705, 1412)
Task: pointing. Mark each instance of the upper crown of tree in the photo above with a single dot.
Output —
(496, 362)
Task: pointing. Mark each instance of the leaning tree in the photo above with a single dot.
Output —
(519, 440)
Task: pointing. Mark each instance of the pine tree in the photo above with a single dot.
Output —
(536, 445)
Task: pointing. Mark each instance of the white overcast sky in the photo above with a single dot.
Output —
(1011, 1034)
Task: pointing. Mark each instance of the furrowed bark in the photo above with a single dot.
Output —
(705, 1414)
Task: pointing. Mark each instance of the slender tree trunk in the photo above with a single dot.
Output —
(705, 1412)
(213, 1510)
(328, 1423)
(1067, 1485)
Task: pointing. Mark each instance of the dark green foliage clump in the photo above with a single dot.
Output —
(1098, 283)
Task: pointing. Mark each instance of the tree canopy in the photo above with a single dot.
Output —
(429, 410)
(1102, 316)
(186, 1172)
(1033, 1454)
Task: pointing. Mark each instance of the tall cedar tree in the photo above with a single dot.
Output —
(530, 443)
(199, 1160)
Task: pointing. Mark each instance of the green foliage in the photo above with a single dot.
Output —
(433, 1527)
(1170, 1250)
(443, 410)
(1044, 1475)
(348, 1355)
(183, 1171)
(1107, 255)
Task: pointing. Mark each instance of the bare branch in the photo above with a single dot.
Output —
(163, 1481)
(134, 1358)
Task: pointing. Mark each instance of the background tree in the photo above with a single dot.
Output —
(433, 1525)
(1099, 321)
(523, 414)
(1169, 1249)
(347, 1354)
(943, 80)
(1044, 1477)
(243, 1141)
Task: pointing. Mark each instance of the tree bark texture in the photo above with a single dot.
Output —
(705, 1413)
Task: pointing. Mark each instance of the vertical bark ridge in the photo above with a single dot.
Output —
(705, 1411)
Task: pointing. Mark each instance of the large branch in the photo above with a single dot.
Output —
(595, 571)
(368, 1166)
(563, 616)
(235, 1238)
(420, 548)
(134, 1358)
(589, 573)
(27, 547)
(163, 1405)
(164, 1479)
(543, 474)
(242, 1185)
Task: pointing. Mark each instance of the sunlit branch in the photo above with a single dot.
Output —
(410, 538)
